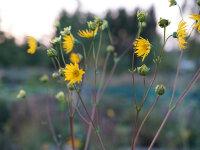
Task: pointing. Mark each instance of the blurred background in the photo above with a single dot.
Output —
(23, 123)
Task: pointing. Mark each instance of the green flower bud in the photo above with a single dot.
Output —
(66, 31)
(55, 75)
(71, 87)
(175, 35)
(98, 21)
(57, 24)
(44, 78)
(51, 52)
(92, 25)
(172, 3)
(21, 94)
(144, 24)
(60, 96)
(110, 49)
(160, 89)
(55, 41)
(115, 54)
(198, 2)
(143, 70)
(104, 25)
(142, 16)
(163, 22)
(61, 72)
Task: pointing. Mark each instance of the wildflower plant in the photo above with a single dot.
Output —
(72, 73)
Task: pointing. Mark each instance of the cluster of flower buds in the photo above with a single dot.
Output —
(142, 16)
(98, 22)
(51, 52)
(92, 25)
(66, 31)
(55, 41)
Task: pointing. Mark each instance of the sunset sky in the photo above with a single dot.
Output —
(20, 17)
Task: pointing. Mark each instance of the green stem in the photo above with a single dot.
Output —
(61, 51)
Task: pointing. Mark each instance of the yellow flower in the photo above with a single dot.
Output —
(73, 73)
(74, 58)
(32, 43)
(182, 34)
(197, 18)
(68, 43)
(142, 47)
(87, 34)
(77, 143)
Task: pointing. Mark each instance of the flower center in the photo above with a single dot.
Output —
(76, 73)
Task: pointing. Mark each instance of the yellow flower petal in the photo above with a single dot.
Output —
(32, 43)
(73, 73)
(68, 43)
(142, 47)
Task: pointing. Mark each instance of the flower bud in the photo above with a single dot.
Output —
(71, 87)
(55, 41)
(61, 72)
(142, 16)
(104, 25)
(92, 25)
(175, 35)
(57, 24)
(198, 2)
(51, 52)
(172, 3)
(55, 75)
(66, 31)
(110, 49)
(44, 78)
(144, 24)
(143, 70)
(21, 94)
(60, 96)
(163, 23)
(98, 21)
(160, 89)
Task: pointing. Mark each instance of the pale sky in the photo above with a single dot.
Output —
(36, 17)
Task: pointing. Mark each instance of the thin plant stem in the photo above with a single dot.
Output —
(151, 84)
(61, 51)
(58, 62)
(102, 92)
(96, 131)
(161, 127)
(103, 74)
(137, 116)
(71, 118)
(90, 49)
(194, 79)
(49, 120)
(134, 129)
(175, 81)
(180, 11)
(144, 120)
